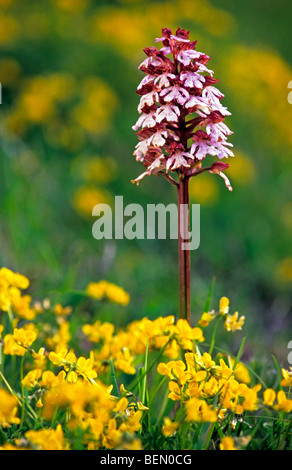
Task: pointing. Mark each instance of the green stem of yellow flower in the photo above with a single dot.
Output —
(9, 388)
(10, 316)
(153, 395)
(214, 335)
(22, 390)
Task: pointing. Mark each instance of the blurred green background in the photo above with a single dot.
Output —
(69, 73)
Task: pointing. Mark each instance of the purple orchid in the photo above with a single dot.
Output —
(179, 104)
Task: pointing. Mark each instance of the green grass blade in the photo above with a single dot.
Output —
(210, 295)
(114, 382)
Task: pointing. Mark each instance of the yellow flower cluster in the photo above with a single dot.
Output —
(142, 20)
(125, 345)
(103, 289)
(198, 379)
(11, 297)
(259, 73)
(8, 409)
(43, 99)
(231, 322)
(72, 391)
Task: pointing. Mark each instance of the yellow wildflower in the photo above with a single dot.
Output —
(269, 397)
(86, 197)
(31, 378)
(233, 323)
(98, 331)
(185, 335)
(96, 290)
(39, 358)
(287, 378)
(175, 391)
(174, 370)
(112, 436)
(61, 338)
(62, 358)
(206, 318)
(121, 405)
(48, 439)
(60, 310)
(24, 337)
(227, 443)
(224, 305)
(8, 409)
(283, 403)
(134, 444)
(84, 368)
(169, 427)
(104, 289)
(49, 379)
(123, 361)
(11, 347)
(117, 294)
(78, 396)
(133, 423)
(250, 402)
(13, 279)
(199, 411)
(241, 372)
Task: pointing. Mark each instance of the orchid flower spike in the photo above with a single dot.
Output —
(181, 115)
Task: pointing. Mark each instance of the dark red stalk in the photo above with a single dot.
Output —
(184, 260)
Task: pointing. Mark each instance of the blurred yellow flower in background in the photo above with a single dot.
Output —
(86, 197)
(286, 214)
(257, 81)
(38, 100)
(105, 289)
(242, 169)
(72, 5)
(48, 439)
(98, 102)
(204, 190)
(130, 29)
(10, 71)
(9, 29)
(6, 3)
(94, 168)
(283, 272)
(227, 443)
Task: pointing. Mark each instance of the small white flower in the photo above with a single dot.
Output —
(149, 99)
(145, 120)
(158, 138)
(163, 80)
(177, 160)
(169, 112)
(192, 79)
(200, 103)
(140, 150)
(202, 148)
(185, 57)
(204, 69)
(218, 130)
(154, 61)
(155, 167)
(176, 93)
(145, 81)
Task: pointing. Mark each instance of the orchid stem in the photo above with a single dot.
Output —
(184, 254)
